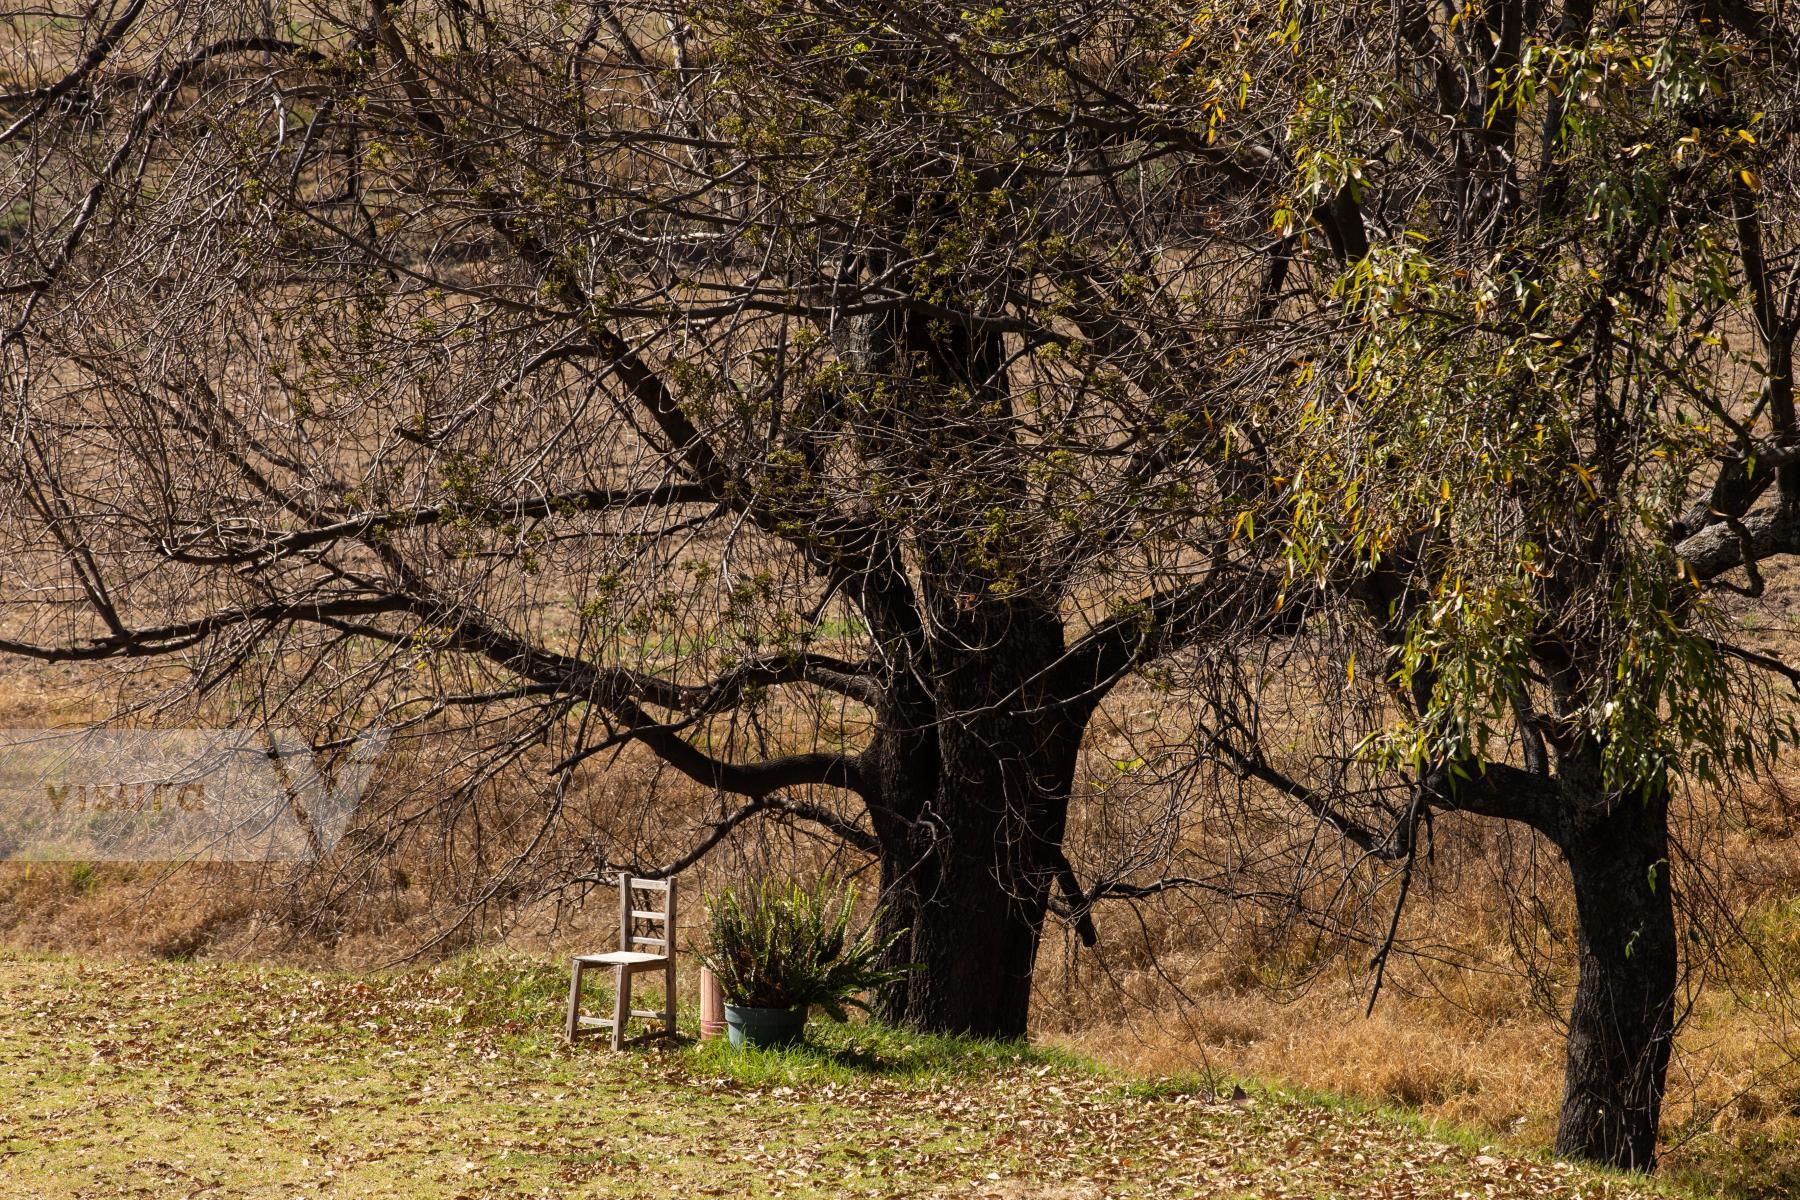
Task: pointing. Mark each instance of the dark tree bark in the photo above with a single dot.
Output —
(1623, 1018)
(972, 933)
(971, 816)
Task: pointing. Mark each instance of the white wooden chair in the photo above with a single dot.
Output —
(628, 961)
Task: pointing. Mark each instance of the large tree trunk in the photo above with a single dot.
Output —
(969, 775)
(971, 829)
(972, 936)
(1623, 1018)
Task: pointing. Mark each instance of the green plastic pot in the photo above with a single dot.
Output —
(764, 1026)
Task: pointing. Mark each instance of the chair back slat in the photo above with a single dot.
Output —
(662, 920)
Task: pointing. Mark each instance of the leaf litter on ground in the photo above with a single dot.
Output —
(224, 1080)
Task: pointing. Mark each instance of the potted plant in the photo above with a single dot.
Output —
(778, 948)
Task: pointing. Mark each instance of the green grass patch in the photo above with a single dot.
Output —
(862, 1049)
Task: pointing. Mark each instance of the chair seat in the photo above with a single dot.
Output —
(622, 958)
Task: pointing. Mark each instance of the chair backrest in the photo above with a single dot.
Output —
(661, 922)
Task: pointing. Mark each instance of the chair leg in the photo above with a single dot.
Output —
(669, 999)
(574, 999)
(621, 1008)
